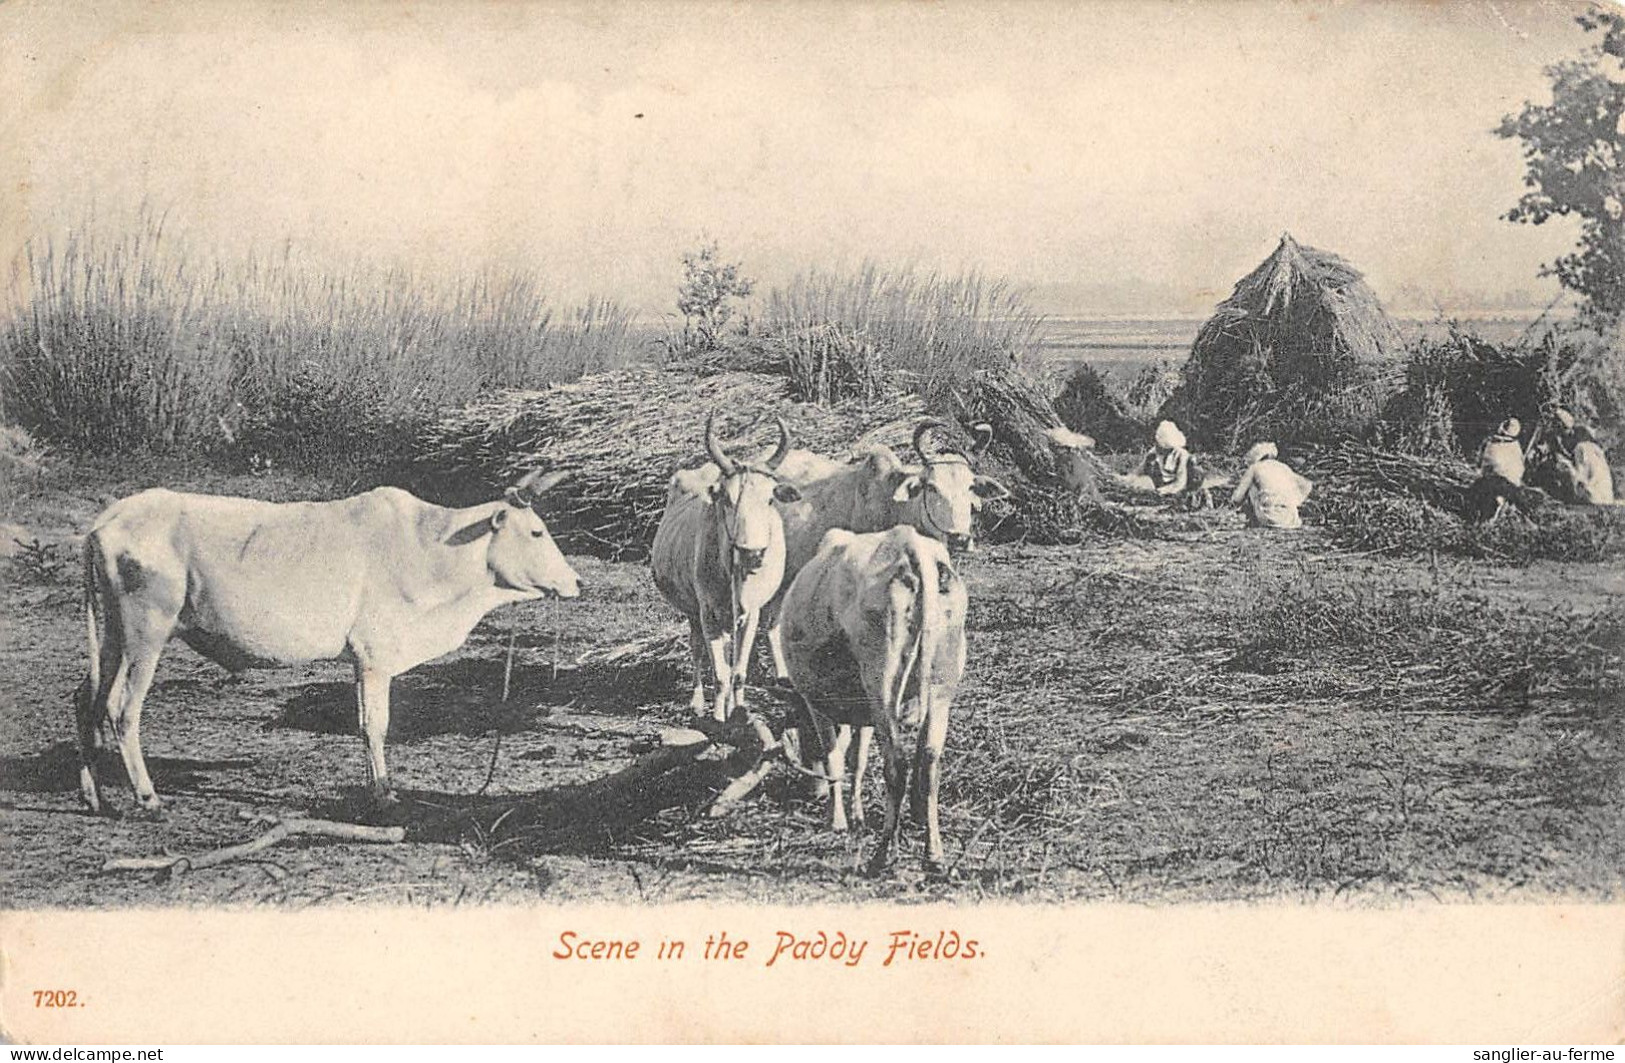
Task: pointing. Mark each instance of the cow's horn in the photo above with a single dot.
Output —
(982, 438)
(713, 448)
(919, 439)
(784, 443)
(536, 483)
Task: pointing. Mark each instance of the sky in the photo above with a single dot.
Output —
(1119, 157)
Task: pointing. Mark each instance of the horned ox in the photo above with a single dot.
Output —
(382, 579)
(874, 636)
(718, 557)
(939, 497)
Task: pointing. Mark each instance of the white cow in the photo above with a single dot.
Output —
(382, 579)
(718, 557)
(939, 497)
(874, 634)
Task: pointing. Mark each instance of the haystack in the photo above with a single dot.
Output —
(622, 435)
(1042, 508)
(1086, 404)
(1301, 351)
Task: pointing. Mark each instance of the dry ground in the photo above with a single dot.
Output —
(1220, 714)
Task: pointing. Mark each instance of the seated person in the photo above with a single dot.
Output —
(1500, 472)
(1573, 463)
(1272, 491)
(1168, 469)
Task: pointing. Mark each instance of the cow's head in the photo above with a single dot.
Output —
(742, 499)
(522, 554)
(942, 496)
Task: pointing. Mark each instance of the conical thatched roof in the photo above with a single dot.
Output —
(1301, 351)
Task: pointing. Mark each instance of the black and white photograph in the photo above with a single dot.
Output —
(503, 460)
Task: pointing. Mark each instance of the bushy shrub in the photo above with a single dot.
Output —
(930, 332)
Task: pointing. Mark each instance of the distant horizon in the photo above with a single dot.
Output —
(1146, 153)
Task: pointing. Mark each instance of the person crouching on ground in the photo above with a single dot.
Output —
(1271, 490)
(1169, 470)
(1500, 472)
(1580, 467)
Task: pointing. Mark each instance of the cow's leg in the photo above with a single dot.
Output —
(145, 623)
(88, 714)
(835, 768)
(696, 649)
(747, 642)
(90, 700)
(927, 776)
(859, 770)
(772, 617)
(372, 704)
(124, 700)
(896, 765)
(722, 669)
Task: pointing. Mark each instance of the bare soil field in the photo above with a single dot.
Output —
(1213, 714)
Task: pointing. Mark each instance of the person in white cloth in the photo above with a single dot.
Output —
(1500, 472)
(1272, 490)
(1577, 460)
(1169, 470)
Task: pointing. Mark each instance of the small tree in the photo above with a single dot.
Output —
(710, 287)
(1574, 154)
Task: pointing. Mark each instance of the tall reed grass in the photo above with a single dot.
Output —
(928, 331)
(134, 341)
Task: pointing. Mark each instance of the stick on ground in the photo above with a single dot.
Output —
(288, 828)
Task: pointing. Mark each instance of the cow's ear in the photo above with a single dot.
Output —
(786, 493)
(908, 487)
(988, 489)
(498, 519)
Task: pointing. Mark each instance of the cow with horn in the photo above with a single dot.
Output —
(718, 558)
(939, 498)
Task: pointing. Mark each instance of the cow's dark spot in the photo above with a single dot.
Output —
(132, 577)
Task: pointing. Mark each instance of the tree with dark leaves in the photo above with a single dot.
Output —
(1574, 157)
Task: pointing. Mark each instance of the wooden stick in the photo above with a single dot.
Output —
(320, 828)
(740, 788)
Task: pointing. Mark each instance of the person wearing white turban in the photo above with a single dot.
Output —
(1271, 490)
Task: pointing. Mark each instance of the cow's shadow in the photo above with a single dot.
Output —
(597, 818)
(56, 770)
(464, 697)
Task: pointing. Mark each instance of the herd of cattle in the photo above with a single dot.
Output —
(847, 565)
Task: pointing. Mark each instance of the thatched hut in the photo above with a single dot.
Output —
(1301, 350)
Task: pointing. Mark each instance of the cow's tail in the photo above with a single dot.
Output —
(93, 609)
(88, 709)
(926, 625)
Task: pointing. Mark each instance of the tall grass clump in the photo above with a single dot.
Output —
(135, 342)
(105, 344)
(841, 332)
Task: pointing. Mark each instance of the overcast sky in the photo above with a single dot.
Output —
(1146, 155)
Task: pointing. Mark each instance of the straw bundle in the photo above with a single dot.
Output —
(1301, 350)
(623, 435)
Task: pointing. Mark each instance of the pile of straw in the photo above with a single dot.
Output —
(1300, 351)
(1086, 404)
(1042, 508)
(1386, 502)
(623, 435)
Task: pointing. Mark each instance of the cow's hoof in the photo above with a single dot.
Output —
(881, 865)
(145, 813)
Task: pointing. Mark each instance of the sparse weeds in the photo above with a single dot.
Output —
(37, 562)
